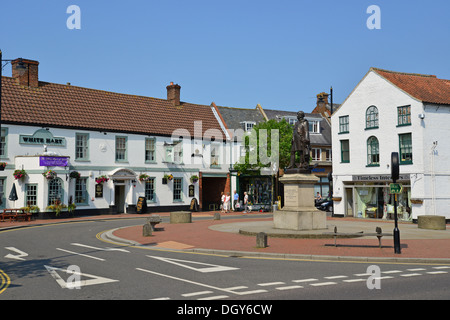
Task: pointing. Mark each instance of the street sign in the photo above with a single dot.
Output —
(395, 188)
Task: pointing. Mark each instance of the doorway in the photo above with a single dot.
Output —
(119, 198)
(349, 202)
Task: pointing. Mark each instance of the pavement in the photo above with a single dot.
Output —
(236, 236)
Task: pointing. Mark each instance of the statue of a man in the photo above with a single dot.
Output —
(300, 142)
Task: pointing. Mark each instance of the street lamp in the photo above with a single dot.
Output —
(20, 67)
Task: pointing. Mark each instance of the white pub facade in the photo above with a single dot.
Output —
(104, 151)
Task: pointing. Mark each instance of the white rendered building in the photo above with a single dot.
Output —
(393, 112)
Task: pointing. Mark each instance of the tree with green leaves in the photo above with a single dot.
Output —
(268, 142)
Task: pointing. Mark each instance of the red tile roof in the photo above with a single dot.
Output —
(427, 88)
(56, 105)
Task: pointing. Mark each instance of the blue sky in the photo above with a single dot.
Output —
(280, 54)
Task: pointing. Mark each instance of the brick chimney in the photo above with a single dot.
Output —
(30, 75)
(173, 94)
(322, 102)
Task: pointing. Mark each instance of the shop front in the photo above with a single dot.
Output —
(368, 196)
(259, 189)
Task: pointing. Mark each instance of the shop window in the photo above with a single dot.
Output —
(373, 152)
(150, 189)
(81, 195)
(344, 124)
(405, 141)
(404, 115)
(55, 191)
(345, 151)
(82, 146)
(372, 117)
(177, 189)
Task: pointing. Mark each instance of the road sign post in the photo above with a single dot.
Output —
(395, 173)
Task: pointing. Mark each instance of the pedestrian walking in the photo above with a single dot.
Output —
(246, 202)
(236, 201)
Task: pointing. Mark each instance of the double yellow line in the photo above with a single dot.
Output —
(4, 281)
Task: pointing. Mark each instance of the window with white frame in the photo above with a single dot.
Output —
(30, 195)
(150, 189)
(174, 152)
(314, 126)
(177, 189)
(55, 191)
(3, 143)
(215, 154)
(81, 146)
(248, 125)
(81, 195)
(150, 150)
(121, 149)
(316, 154)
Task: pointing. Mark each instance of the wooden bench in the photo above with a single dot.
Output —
(15, 214)
(378, 233)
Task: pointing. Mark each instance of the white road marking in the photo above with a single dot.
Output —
(305, 280)
(102, 249)
(193, 294)
(322, 284)
(335, 277)
(410, 275)
(95, 279)
(289, 288)
(437, 272)
(391, 271)
(20, 255)
(270, 284)
(81, 254)
(188, 264)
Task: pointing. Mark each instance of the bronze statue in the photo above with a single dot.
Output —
(301, 143)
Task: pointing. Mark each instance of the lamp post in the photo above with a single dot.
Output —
(395, 174)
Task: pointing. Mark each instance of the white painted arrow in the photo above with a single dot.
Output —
(70, 283)
(20, 255)
(187, 264)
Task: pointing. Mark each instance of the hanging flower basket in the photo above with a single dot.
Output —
(19, 174)
(168, 177)
(2, 166)
(143, 177)
(49, 174)
(75, 175)
(101, 179)
(194, 178)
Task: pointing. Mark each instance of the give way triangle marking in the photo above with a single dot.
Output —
(74, 278)
(196, 266)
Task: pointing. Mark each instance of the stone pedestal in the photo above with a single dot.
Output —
(299, 212)
(431, 222)
(180, 217)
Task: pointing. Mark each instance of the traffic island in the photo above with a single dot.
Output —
(431, 222)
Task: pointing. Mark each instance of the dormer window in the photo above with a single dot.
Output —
(248, 125)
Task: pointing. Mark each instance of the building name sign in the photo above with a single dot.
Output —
(42, 137)
(375, 178)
